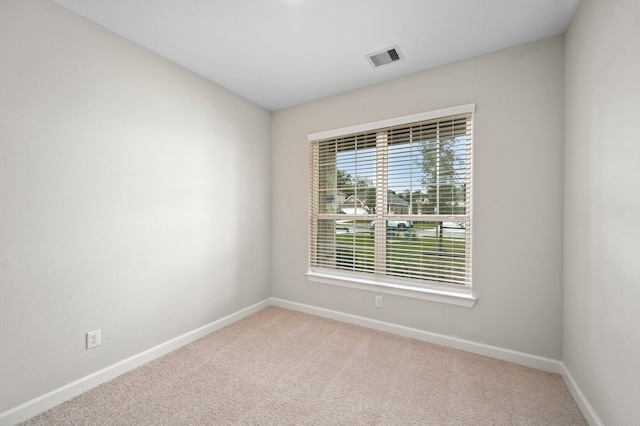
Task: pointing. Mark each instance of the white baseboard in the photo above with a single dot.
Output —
(521, 358)
(49, 400)
(585, 407)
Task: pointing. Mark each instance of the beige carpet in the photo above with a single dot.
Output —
(280, 367)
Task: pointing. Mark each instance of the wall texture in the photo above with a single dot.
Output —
(141, 199)
(602, 207)
(517, 273)
(134, 197)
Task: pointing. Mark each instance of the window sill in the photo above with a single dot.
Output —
(462, 298)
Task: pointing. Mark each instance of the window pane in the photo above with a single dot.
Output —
(429, 166)
(346, 244)
(433, 251)
(355, 176)
(407, 187)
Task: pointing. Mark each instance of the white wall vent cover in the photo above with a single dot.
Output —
(386, 56)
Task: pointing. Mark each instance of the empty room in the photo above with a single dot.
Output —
(383, 212)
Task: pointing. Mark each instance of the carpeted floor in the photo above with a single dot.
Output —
(280, 367)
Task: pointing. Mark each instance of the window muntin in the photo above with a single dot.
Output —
(395, 202)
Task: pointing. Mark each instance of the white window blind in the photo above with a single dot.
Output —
(395, 202)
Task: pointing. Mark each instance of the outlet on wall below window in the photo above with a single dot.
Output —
(94, 338)
(378, 302)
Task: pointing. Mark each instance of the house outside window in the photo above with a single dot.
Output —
(390, 204)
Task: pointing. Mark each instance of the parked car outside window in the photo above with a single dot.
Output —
(397, 224)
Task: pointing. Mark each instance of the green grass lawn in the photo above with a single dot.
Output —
(429, 258)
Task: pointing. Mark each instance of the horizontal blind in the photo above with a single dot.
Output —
(395, 201)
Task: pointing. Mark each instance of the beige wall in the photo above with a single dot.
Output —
(602, 207)
(517, 273)
(134, 197)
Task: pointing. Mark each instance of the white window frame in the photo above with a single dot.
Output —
(398, 286)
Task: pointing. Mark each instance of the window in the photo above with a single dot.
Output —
(391, 203)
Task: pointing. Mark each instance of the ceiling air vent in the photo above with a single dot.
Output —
(385, 56)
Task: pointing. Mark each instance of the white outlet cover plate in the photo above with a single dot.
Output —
(94, 338)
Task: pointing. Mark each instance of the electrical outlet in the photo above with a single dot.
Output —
(378, 302)
(94, 338)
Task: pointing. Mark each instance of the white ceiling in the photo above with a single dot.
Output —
(280, 53)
